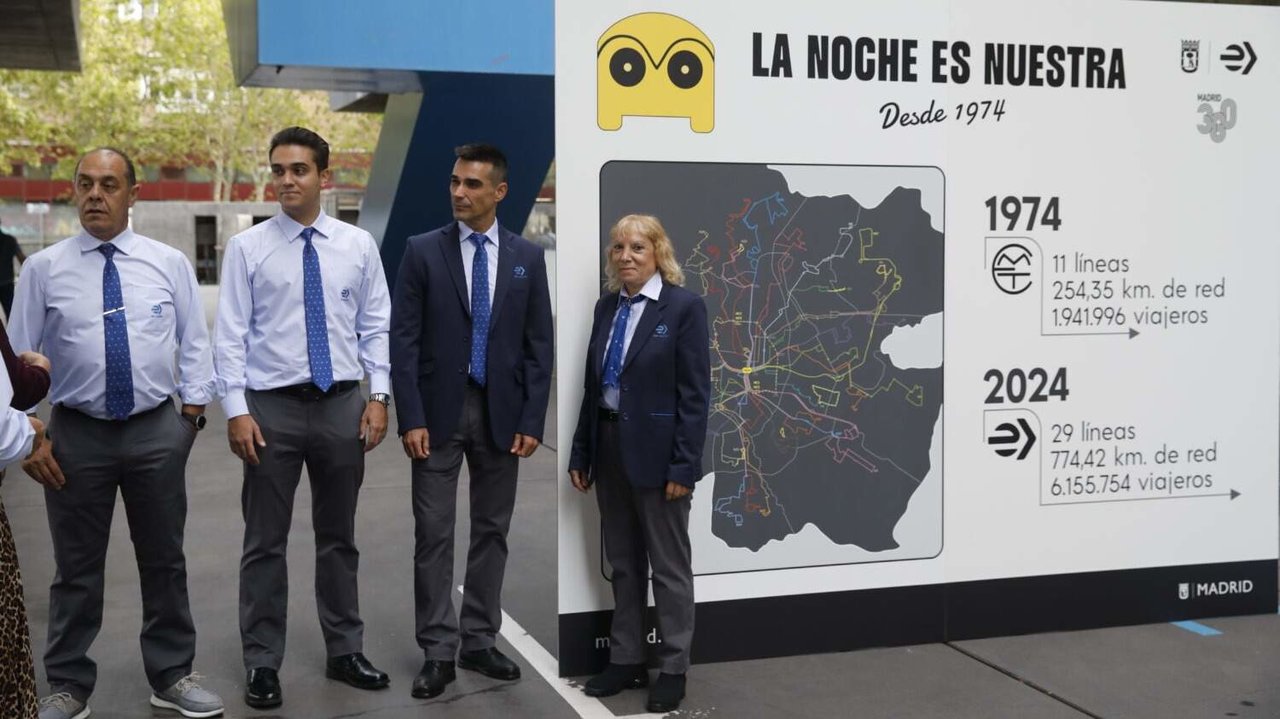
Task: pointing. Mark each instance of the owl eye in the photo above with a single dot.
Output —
(627, 67)
(684, 69)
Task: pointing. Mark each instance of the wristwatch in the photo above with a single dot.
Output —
(197, 420)
(382, 397)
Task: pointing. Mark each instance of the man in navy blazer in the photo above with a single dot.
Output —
(471, 356)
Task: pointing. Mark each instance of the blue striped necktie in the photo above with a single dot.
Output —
(317, 325)
(115, 332)
(479, 309)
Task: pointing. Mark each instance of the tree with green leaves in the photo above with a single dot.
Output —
(157, 82)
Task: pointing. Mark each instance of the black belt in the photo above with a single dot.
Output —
(608, 415)
(167, 403)
(311, 393)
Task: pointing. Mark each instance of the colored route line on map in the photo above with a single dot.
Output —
(760, 350)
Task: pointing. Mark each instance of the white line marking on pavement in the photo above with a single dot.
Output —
(545, 664)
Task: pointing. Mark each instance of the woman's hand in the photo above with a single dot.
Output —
(675, 491)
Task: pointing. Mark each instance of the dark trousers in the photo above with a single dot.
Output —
(324, 435)
(145, 457)
(641, 529)
(492, 470)
(6, 298)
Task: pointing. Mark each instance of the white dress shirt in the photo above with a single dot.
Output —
(260, 336)
(15, 429)
(469, 254)
(57, 310)
(609, 397)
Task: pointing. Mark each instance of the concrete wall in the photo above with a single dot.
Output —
(174, 223)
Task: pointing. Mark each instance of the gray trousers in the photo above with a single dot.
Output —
(492, 470)
(641, 529)
(145, 457)
(323, 435)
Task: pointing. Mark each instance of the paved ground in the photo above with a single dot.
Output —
(1156, 671)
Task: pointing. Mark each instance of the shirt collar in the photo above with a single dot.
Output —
(292, 229)
(125, 242)
(465, 231)
(651, 289)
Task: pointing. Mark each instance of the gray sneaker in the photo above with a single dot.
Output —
(188, 698)
(63, 706)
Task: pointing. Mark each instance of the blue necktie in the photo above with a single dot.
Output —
(317, 326)
(613, 357)
(479, 309)
(116, 333)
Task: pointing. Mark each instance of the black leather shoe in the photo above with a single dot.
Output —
(355, 670)
(615, 678)
(666, 693)
(489, 662)
(262, 688)
(434, 677)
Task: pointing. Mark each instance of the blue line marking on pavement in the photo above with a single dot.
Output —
(1198, 628)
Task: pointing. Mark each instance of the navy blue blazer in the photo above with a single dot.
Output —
(431, 337)
(664, 390)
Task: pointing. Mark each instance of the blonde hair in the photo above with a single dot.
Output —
(664, 253)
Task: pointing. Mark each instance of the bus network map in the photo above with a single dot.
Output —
(811, 420)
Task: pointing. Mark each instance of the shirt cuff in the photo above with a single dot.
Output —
(380, 382)
(196, 394)
(234, 404)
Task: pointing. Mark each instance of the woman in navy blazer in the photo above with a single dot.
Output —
(639, 439)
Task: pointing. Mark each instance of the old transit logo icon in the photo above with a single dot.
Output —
(655, 65)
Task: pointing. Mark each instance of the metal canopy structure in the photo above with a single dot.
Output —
(40, 35)
(445, 73)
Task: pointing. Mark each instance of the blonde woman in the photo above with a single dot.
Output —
(639, 439)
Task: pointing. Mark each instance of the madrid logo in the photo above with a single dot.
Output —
(655, 65)
(1190, 55)
(1215, 123)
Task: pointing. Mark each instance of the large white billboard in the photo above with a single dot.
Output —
(995, 329)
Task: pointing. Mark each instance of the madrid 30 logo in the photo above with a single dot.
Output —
(1215, 122)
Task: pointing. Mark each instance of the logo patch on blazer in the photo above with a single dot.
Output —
(660, 330)
(156, 310)
(520, 271)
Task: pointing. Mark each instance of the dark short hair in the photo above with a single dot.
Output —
(306, 138)
(480, 152)
(130, 174)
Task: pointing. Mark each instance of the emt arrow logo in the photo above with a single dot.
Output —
(1234, 59)
(1010, 438)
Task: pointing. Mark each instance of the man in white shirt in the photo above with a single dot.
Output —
(302, 318)
(115, 312)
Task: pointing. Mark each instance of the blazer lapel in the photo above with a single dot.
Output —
(601, 340)
(644, 330)
(452, 250)
(506, 265)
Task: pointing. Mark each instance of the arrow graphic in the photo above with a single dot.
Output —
(1131, 332)
(1008, 433)
(1231, 495)
(1236, 54)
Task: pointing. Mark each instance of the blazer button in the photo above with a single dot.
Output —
(625, 388)
(625, 417)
